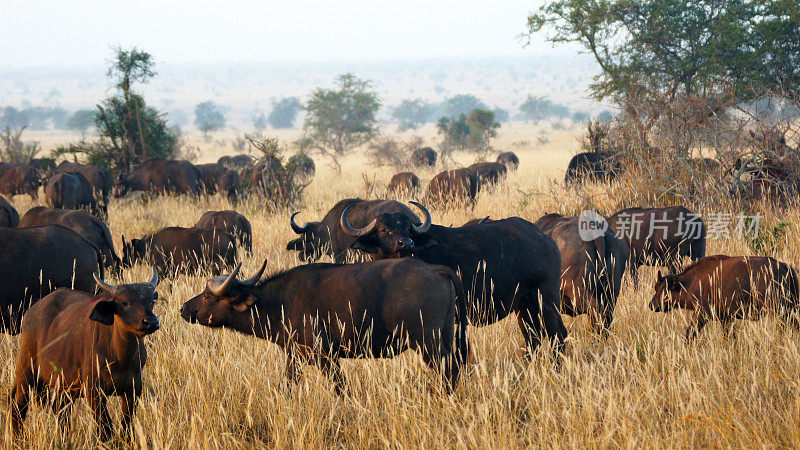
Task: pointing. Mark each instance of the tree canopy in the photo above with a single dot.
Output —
(284, 112)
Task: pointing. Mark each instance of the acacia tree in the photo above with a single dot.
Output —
(284, 112)
(411, 113)
(208, 117)
(342, 118)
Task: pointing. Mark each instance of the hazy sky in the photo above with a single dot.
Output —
(36, 32)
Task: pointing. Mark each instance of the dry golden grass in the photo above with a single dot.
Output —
(642, 386)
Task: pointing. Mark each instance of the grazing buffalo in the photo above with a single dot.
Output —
(230, 222)
(9, 217)
(19, 179)
(303, 167)
(423, 157)
(488, 173)
(728, 288)
(162, 176)
(36, 261)
(218, 178)
(76, 344)
(510, 159)
(72, 191)
(100, 178)
(327, 237)
(591, 268)
(659, 236)
(324, 312)
(453, 187)
(236, 162)
(404, 183)
(88, 226)
(595, 166)
(175, 250)
(45, 166)
(507, 265)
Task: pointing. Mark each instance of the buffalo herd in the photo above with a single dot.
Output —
(410, 283)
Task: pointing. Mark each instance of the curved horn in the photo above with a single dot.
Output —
(223, 289)
(355, 232)
(154, 279)
(295, 227)
(483, 220)
(254, 279)
(109, 289)
(426, 224)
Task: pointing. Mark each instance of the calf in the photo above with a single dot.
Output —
(423, 157)
(75, 344)
(404, 183)
(72, 191)
(510, 159)
(488, 173)
(323, 312)
(453, 187)
(174, 250)
(230, 222)
(728, 288)
(591, 269)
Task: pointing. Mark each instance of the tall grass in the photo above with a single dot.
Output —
(642, 386)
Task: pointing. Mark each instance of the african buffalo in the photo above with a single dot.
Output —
(423, 157)
(595, 166)
(328, 238)
(45, 166)
(174, 250)
(88, 226)
(162, 176)
(19, 179)
(230, 222)
(100, 179)
(659, 236)
(324, 312)
(76, 344)
(728, 288)
(591, 270)
(507, 265)
(404, 183)
(303, 166)
(488, 173)
(218, 178)
(236, 162)
(476, 221)
(510, 159)
(36, 261)
(453, 187)
(9, 217)
(72, 191)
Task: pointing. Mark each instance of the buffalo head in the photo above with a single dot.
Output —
(390, 235)
(226, 301)
(667, 291)
(129, 305)
(314, 240)
(133, 251)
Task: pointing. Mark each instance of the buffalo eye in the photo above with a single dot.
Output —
(125, 304)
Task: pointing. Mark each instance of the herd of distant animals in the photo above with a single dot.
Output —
(80, 336)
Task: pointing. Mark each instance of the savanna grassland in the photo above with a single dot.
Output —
(641, 386)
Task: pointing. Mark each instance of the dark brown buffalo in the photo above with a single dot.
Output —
(262, 177)
(75, 344)
(19, 179)
(303, 166)
(100, 178)
(218, 178)
(45, 166)
(404, 183)
(676, 233)
(457, 186)
(323, 312)
(88, 226)
(36, 261)
(423, 157)
(729, 288)
(507, 265)
(510, 159)
(72, 191)
(174, 250)
(162, 176)
(230, 222)
(488, 173)
(328, 238)
(591, 270)
(236, 162)
(592, 166)
(9, 217)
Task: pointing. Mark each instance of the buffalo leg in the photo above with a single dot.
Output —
(19, 407)
(128, 407)
(698, 322)
(98, 403)
(330, 367)
(531, 329)
(635, 274)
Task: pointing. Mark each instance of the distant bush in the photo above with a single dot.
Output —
(412, 113)
(284, 112)
(541, 108)
(208, 117)
(13, 149)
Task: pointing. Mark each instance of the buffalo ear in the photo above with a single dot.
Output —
(366, 243)
(422, 241)
(660, 277)
(295, 244)
(103, 312)
(245, 304)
